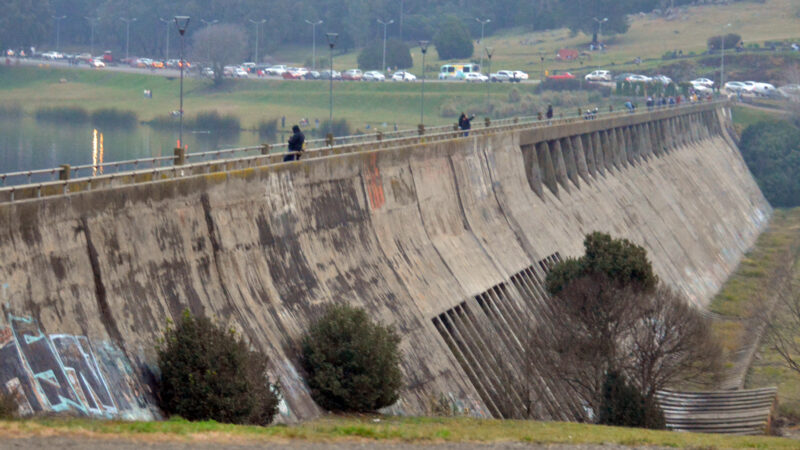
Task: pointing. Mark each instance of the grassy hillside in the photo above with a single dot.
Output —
(648, 37)
(364, 430)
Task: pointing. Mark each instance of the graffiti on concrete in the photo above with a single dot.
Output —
(62, 372)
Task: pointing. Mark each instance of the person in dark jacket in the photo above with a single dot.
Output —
(295, 144)
(549, 114)
(465, 123)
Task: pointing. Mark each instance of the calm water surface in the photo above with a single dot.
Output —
(28, 144)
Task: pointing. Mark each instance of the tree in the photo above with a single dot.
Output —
(452, 40)
(397, 55)
(579, 16)
(619, 259)
(25, 23)
(623, 405)
(783, 323)
(615, 317)
(352, 364)
(772, 152)
(219, 46)
(731, 41)
(209, 373)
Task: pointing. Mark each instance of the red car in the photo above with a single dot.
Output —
(561, 76)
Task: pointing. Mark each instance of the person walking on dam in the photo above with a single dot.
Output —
(295, 144)
(465, 123)
(549, 114)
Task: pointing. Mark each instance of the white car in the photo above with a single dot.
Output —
(663, 79)
(764, 89)
(634, 78)
(703, 82)
(599, 75)
(52, 55)
(701, 88)
(749, 86)
(239, 72)
(373, 75)
(96, 63)
(276, 70)
(475, 77)
(500, 76)
(735, 86)
(520, 75)
(404, 76)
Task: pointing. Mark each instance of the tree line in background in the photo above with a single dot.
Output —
(26, 23)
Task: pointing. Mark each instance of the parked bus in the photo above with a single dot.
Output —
(457, 71)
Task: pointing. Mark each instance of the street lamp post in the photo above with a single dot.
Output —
(541, 76)
(168, 23)
(482, 22)
(257, 23)
(722, 59)
(127, 21)
(92, 22)
(489, 53)
(600, 23)
(402, 9)
(182, 22)
(385, 24)
(331, 43)
(58, 20)
(313, 42)
(423, 45)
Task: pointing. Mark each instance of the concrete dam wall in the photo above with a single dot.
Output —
(448, 239)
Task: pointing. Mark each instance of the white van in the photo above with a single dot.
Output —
(764, 89)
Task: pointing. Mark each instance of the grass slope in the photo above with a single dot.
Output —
(648, 37)
(386, 429)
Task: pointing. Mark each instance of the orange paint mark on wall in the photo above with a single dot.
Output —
(375, 183)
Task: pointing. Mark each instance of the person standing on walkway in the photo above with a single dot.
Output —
(295, 144)
(465, 123)
(549, 114)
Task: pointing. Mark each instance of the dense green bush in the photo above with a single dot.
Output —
(731, 40)
(352, 363)
(397, 56)
(210, 373)
(620, 260)
(72, 114)
(623, 405)
(452, 40)
(214, 121)
(113, 117)
(772, 152)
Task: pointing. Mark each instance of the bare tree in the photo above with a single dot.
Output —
(671, 342)
(783, 327)
(654, 338)
(218, 46)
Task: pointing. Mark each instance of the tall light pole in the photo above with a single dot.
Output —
(92, 22)
(482, 22)
(168, 23)
(182, 22)
(385, 24)
(313, 42)
(402, 11)
(331, 43)
(257, 23)
(58, 20)
(423, 45)
(127, 21)
(600, 23)
(489, 53)
(722, 60)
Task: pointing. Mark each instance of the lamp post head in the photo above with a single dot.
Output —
(182, 22)
(332, 39)
(423, 45)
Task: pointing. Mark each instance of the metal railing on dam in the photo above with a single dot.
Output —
(447, 237)
(23, 185)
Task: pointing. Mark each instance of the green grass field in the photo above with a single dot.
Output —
(250, 100)
(386, 429)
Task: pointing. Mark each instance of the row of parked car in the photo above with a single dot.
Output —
(699, 84)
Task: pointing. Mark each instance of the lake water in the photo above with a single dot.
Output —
(29, 144)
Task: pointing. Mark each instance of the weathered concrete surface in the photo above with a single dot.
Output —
(448, 241)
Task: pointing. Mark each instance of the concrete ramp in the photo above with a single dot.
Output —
(448, 238)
